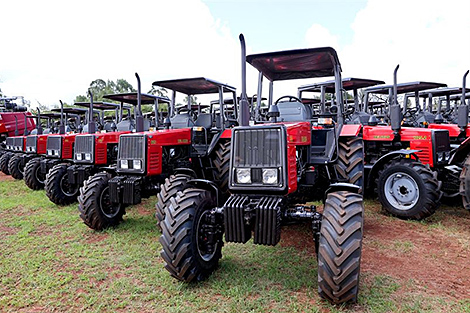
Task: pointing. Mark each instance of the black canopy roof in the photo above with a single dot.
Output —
(131, 98)
(405, 87)
(78, 111)
(349, 83)
(193, 86)
(295, 64)
(230, 100)
(45, 115)
(99, 105)
(457, 97)
(438, 92)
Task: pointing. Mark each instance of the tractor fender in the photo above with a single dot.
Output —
(226, 134)
(342, 187)
(207, 185)
(387, 157)
(350, 130)
(186, 171)
(459, 155)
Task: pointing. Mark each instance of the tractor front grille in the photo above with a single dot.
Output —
(9, 143)
(255, 150)
(31, 144)
(441, 140)
(18, 143)
(131, 154)
(54, 146)
(84, 149)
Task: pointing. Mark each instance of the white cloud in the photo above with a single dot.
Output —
(53, 49)
(429, 39)
(319, 36)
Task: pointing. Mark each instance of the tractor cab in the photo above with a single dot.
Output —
(108, 124)
(354, 112)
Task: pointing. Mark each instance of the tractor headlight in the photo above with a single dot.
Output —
(124, 164)
(440, 156)
(50, 152)
(88, 156)
(78, 156)
(270, 176)
(136, 164)
(447, 155)
(243, 175)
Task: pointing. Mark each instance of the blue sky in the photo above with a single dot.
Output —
(272, 25)
(53, 49)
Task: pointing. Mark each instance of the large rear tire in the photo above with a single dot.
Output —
(172, 185)
(409, 189)
(222, 165)
(189, 252)
(33, 177)
(465, 184)
(15, 168)
(58, 188)
(340, 247)
(350, 166)
(96, 209)
(4, 160)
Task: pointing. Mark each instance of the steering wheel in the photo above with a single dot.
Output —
(409, 112)
(290, 99)
(192, 113)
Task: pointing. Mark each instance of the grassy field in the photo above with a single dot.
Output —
(51, 262)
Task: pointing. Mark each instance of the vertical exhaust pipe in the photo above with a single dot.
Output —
(244, 110)
(463, 107)
(16, 126)
(61, 125)
(25, 133)
(139, 118)
(91, 121)
(39, 126)
(395, 111)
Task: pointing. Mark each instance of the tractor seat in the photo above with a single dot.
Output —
(294, 111)
(109, 126)
(204, 120)
(124, 125)
(182, 120)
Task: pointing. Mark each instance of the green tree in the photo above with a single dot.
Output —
(99, 88)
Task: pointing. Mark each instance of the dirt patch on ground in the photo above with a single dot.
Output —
(4, 177)
(433, 255)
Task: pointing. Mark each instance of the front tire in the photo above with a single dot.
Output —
(58, 188)
(465, 184)
(172, 185)
(15, 168)
(4, 160)
(408, 189)
(222, 165)
(96, 209)
(190, 253)
(33, 177)
(340, 247)
(350, 164)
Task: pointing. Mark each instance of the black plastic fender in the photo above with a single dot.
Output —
(207, 185)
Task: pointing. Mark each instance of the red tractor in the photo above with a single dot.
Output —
(274, 167)
(92, 151)
(33, 144)
(59, 147)
(187, 143)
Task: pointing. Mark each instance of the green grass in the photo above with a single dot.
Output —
(51, 261)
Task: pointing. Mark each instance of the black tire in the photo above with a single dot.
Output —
(58, 188)
(350, 166)
(33, 177)
(184, 247)
(340, 247)
(222, 165)
(96, 211)
(15, 168)
(172, 185)
(408, 189)
(4, 160)
(465, 184)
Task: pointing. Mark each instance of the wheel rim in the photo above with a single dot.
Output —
(401, 191)
(205, 247)
(68, 189)
(38, 175)
(106, 206)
